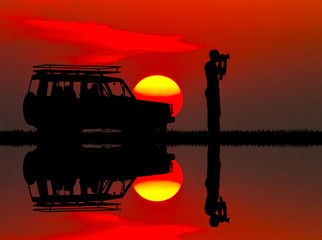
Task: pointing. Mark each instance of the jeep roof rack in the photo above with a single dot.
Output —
(76, 207)
(63, 69)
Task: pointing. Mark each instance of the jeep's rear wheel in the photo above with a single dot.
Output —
(29, 108)
(29, 168)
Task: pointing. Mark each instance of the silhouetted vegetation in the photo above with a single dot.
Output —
(18, 137)
(229, 138)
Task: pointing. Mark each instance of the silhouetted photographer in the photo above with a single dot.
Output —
(220, 215)
(215, 207)
(215, 69)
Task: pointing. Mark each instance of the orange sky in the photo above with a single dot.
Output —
(274, 74)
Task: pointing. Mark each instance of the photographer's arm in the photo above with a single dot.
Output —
(223, 68)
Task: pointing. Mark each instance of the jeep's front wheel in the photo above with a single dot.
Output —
(163, 128)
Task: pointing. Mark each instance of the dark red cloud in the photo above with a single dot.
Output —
(98, 42)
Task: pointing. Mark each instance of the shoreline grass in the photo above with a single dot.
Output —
(297, 137)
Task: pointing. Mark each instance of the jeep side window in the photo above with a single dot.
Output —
(125, 91)
(57, 91)
(117, 89)
(83, 89)
(93, 91)
(89, 91)
(33, 86)
(106, 91)
(69, 91)
(77, 88)
(53, 88)
(49, 88)
(42, 88)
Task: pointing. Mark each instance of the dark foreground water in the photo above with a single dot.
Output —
(271, 193)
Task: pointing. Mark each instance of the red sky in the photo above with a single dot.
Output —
(274, 74)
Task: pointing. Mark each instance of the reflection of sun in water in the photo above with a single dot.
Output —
(159, 88)
(160, 187)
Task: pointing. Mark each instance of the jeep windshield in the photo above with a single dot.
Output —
(115, 88)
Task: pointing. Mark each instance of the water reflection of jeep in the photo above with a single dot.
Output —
(77, 97)
(88, 179)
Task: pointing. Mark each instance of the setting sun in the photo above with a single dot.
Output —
(160, 187)
(159, 88)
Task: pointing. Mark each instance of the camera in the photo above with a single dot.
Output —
(223, 57)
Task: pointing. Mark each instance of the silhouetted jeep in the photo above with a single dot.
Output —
(77, 97)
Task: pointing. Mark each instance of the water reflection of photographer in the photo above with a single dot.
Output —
(215, 207)
(215, 69)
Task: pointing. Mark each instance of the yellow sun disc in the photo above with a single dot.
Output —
(157, 85)
(159, 88)
(157, 190)
(160, 187)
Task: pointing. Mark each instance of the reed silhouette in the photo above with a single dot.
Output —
(298, 138)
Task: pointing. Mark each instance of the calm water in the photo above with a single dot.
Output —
(271, 193)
